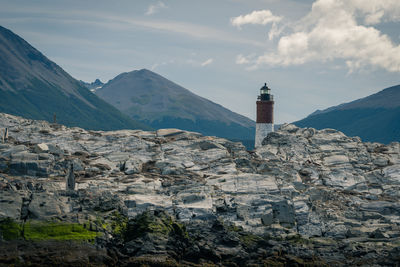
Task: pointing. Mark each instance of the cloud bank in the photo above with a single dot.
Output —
(207, 62)
(152, 9)
(337, 30)
(261, 17)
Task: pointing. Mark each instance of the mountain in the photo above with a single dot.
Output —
(160, 103)
(375, 118)
(34, 87)
(97, 84)
(175, 198)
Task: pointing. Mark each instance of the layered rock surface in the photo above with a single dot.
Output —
(304, 197)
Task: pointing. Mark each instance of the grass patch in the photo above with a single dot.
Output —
(35, 230)
(57, 231)
(10, 230)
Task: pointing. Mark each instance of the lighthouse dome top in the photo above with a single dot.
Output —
(265, 93)
(265, 90)
(265, 87)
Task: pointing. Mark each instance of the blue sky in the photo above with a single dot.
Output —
(313, 54)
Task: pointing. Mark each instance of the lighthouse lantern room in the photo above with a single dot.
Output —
(265, 115)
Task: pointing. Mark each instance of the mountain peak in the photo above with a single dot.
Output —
(151, 98)
(33, 86)
(97, 82)
(145, 71)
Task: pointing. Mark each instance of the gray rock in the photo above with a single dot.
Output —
(310, 230)
(284, 212)
(268, 217)
(10, 205)
(41, 148)
(77, 165)
(54, 149)
(132, 166)
(337, 231)
(13, 150)
(44, 206)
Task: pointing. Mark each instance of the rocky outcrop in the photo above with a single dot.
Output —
(177, 197)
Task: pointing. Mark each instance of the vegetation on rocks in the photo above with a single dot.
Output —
(57, 231)
(9, 229)
(39, 230)
(154, 222)
(118, 224)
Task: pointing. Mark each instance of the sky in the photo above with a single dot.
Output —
(313, 54)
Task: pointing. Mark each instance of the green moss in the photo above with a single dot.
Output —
(289, 260)
(145, 261)
(57, 231)
(234, 228)
(298, 239)
(145, 223)
(249, 240)
(35, 230)
(10, 230)
(100, 223)
(180, 230)
(272, 263)
(118, 224)
(160, 224)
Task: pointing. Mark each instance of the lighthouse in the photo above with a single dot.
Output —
(265, 115)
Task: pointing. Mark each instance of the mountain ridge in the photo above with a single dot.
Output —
(161, 103)
(374, 118)
(33, 86)
(376, 100)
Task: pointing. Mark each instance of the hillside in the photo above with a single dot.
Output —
(175, 198)
(160, 103)
(374, 118)
(34, 87)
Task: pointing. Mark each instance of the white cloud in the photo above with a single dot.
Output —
(207, 62)
(152, 9)
(376, 11)
(122, 23)
(275, 31)
(156, 65)
(340, 29)
(261, 17)
(240, 59)
(160, 64)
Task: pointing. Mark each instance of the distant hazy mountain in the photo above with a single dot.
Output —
(160, 103)
(35, 87)
(375, 118)
(94, 86)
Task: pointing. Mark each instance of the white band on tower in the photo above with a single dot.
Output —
(262, 130)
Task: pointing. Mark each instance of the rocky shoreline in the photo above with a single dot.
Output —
(175, 198)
